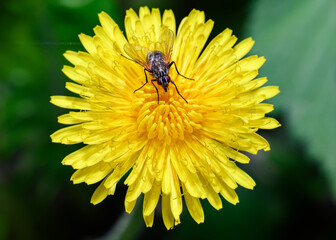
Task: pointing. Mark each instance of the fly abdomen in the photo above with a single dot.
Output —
(160, 70)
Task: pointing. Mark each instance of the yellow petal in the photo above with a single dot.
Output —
(80, 58)
(176, 199)
(68, 119)
(80, 90)
(156, 21)
(130, 20)
(108, 24)
(168, 19)
(101, 193)
(254, 84)
(101, 136)
(234, 154)
(70, 135)
(251, 63)
(211, 195)
(129, 205)
(265, 123)
(167, 215)
(74, 75)
(194, 207)
(268, 92)
(104, 39)
(120, 170)
(92, 174)
(86, 156)
(242, 48)
(88, 43)
(142, 185)
(143, 11)
(229, 194)
(151, 199)
(149, 219)
(242, 178)
(73, 103)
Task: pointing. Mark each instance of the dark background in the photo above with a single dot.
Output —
(296, 180)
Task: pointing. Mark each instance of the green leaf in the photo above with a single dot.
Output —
(298, 40)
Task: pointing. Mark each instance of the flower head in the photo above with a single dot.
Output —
(172, 149)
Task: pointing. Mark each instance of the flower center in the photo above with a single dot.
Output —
(169, 119)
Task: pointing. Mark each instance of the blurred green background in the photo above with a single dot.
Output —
(296, 181)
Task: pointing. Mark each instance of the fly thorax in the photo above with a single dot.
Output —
(157, 64)
(154, 56)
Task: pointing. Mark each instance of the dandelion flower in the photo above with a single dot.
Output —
(171, 150)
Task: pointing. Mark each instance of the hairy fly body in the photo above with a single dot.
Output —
(156, 62)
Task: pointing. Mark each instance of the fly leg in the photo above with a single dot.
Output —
(178, 91)
(179, 73)
(145, 82)
(157, 91)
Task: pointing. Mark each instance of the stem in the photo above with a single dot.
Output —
(128, 226)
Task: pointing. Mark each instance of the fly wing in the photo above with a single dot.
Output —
(165, 44)
(137, 53)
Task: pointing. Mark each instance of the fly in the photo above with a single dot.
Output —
(156, 62)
